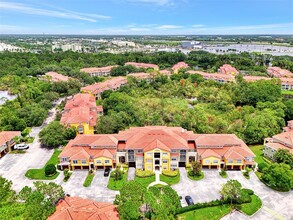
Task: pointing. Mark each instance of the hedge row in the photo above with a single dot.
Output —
(171, 173)
(144, 173)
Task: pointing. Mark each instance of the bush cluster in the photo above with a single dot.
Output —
(171, 173)
(50, 170)
(144, 173)
(262, 166)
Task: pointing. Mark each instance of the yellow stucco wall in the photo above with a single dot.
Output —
(210, 161)
(234, 162)
(87, 129)
(165, 156)
(102, 160)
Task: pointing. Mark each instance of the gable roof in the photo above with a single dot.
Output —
(6, 136)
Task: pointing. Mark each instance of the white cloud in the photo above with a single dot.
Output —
(198, 25)
(157, 2)
(169, 27)
(61, 13)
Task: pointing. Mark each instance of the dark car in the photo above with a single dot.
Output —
(189, 200)
(107, 172)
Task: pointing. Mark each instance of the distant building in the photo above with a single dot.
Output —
(179, 66)
(280, 141)
(100, 71)
(7, 141)
(81, 112)
(141, 76)
(67, 47)
(123, 43)
(218, 77)
(98, 88)
(76, 208)
(277, 72)
(286, 83)
(227, 69)
(56, 77)
(143, 65)
(191, 45)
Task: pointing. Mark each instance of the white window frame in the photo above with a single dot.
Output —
(83, 161)
(107, 161)
(75, 161)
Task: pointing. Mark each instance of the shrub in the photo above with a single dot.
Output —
(216, 202)
(248, 191)
(50, 170)
(223, 173)
(188, 166)
(171, 173)
(262, 166)
(144, 173)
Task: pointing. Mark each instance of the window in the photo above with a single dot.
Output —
(98, 161)
(207, 161)
(165, 161)
(64, 159)
(83, 161)
(174, 159)
(174, 151)
(157, 155)
(191, 159)
(149, 154)
(165, 154)
(139, 151)
(239, 161)
(230, 161)
(216, 161)
(107, 161)
(149, 161)
(75, 162)
(157, 162)
(174, 165)
(149, 167)
(164, 168)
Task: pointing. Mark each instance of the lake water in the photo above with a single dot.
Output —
(4, 96)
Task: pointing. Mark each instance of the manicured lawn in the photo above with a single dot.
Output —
(117, 185)
(209, 213)
(251, 208)
(257, 150)
(88, 180)
(39, 174)
(145, 181)
(224, 175)
(170, 180)
(287, 92)
(194, 177)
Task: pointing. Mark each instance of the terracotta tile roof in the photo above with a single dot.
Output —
(277, 146)
(209, 153)
(279, 73)
(286, 81)
(6, 136)
(285, 138)
(142, 65)
(56, 77)
(214, 76)
(80, 109)
(255, 78)
(165, 72)
(100, 108)
(180, 65)
(76, 208)
(97, 69)
(228, 69)
(140, 75)
(110, 84)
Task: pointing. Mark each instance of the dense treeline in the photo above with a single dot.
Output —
(251, 110)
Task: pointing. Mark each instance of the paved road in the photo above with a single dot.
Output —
(276, 205)
(14, 166)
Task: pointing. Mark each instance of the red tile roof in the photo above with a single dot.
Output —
(180, 65)
(6, 136)
(140, 75)
(56, 77)
(228, 69)
(142, 65)
(97, 69)
(286, 138)
(80, 109)
(76, 208)
(279, 73)
(214, 76)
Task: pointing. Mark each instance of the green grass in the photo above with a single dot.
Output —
(210, 213)
(17, 152)
(117, 185)
(170, 180)
(39, 174)
(252, 207)
(287, 92)
(145, 181)
(194, 177)
(224, 175)
(257, 150)
(67, 178)
(89, 179)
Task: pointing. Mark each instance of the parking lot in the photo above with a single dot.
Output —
(276, 205)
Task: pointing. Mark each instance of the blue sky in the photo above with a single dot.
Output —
(178, 17)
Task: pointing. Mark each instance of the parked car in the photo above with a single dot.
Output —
(189, 200)
(107, 172)
(22, 146)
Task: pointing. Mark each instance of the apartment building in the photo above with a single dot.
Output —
(101, 71)
(280, 141)
(56, 77)
(81, 112)
(218, 77)
(98, 88)
(142, 76)
(7, 141)
(179, 66)
(143, 65)
(156, 148)
(278, 72)
(228, 69)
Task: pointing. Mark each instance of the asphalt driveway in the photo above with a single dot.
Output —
(276, 205)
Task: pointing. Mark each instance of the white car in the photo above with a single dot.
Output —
(21, 146)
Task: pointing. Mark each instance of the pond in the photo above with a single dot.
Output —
(4, 96)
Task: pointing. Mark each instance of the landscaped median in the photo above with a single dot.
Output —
(170, 177)
(192, 176)
(118, 178)
(144, 177)
(39, 174)
(89, 179)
